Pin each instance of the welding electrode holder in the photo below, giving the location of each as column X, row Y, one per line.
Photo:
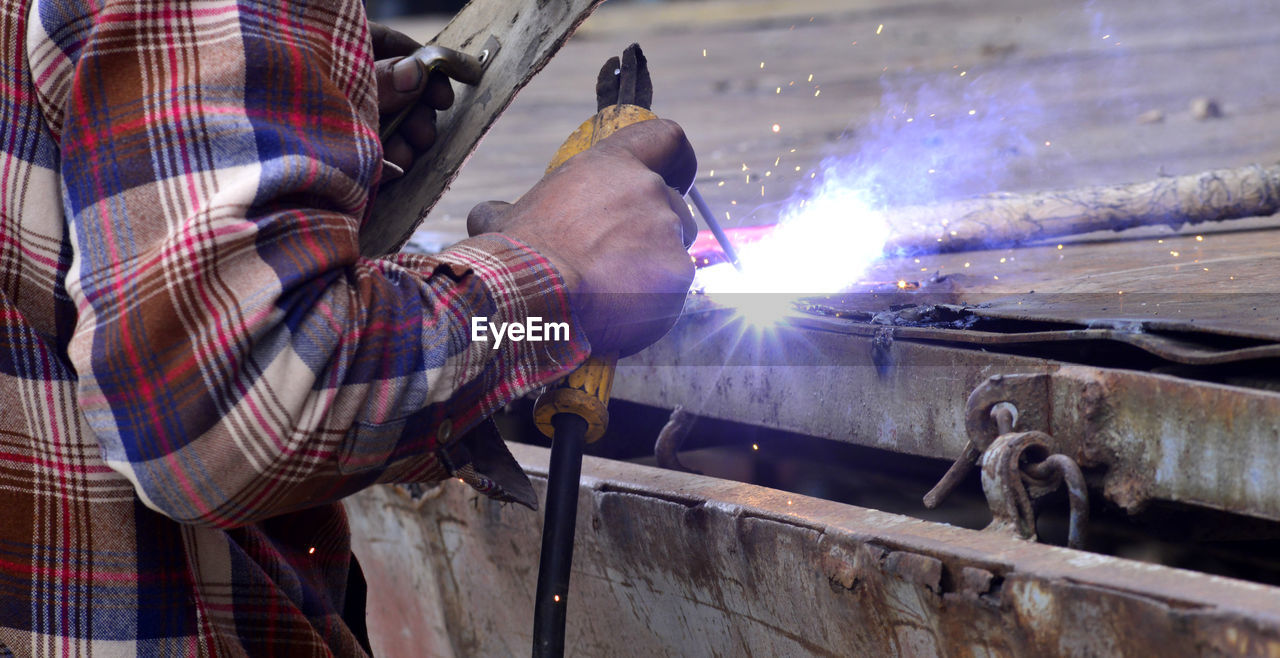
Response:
column 575, row 410
column 583, row 393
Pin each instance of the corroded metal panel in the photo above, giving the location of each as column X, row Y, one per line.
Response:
column 905, row 397
column 1145, row 435
column 670, row 563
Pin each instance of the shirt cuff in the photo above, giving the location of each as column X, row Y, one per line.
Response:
column 529, row 296
column 526, row 291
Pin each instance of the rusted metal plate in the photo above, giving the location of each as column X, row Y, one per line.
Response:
column 670, row 563
column 1217, row 281
column 980, row 324
column 1144, row 435
column 903, row 397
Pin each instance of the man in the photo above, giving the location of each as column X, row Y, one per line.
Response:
column 198, row 365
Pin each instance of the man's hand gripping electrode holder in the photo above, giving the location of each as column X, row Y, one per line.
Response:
column 575, row 410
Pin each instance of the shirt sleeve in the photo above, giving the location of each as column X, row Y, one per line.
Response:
column 237, row 357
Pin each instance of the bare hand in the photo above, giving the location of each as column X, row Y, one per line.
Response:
column 402, row 83
column 614, row 223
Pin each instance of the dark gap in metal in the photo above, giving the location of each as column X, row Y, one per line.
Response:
column 1183, row 536
column 964, row 318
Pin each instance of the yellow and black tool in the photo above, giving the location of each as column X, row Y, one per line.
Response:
column 575, row 411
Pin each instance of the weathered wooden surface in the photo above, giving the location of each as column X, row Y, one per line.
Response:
column 1084, row 72
column 673, row 564
column 1082, row 92
column 529, row 34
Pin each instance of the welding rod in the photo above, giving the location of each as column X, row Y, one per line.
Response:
column 701, row 204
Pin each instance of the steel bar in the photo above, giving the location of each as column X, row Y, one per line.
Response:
column 714, row 224
column 1077, row 492
column 1012, row 219
column 666, row 449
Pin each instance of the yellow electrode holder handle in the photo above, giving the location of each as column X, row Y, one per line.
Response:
column 585, row 391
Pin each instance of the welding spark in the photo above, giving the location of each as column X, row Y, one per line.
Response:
column 822, row 244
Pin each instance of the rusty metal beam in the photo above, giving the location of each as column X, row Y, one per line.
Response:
column 1147, row 436
column 671, row 563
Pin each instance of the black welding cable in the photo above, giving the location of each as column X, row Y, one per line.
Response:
column 551, row 600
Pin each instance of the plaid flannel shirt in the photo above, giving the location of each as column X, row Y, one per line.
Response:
column 196, row 364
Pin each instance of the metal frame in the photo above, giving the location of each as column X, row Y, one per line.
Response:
column 672, row 563
column 1142, row 435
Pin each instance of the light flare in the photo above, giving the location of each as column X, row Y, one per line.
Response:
column 823, row 244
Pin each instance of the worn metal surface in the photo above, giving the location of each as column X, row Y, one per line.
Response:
column 1016, row 470
column 1143, row 435
column 923, row 320
column 676, row 564
column 906, row 397
column 1212, row 283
